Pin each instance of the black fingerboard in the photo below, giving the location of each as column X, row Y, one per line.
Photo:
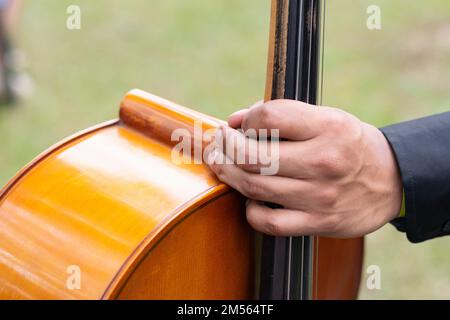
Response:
column 286, row 262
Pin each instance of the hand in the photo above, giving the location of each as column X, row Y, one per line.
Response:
column 337, row 175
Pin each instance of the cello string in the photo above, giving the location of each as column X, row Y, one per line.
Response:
column 288, row 288
column 299, row 43
column 308, row 88
column 315, row 13
column 306, row 254
column 298, row 66
column 321, row 25
column 290, row 238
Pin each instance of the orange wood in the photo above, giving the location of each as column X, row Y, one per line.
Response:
column 208, row 255
column 338, row 264
column 110, row 201
column 98, row 201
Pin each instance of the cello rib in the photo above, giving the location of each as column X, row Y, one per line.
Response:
column 109, row 207
column 112, row 204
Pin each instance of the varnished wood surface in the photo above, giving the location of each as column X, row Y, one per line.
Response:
column 276, row 60
column 337, row 263
column 209, row 255
column 99, row 201
column 110, row 201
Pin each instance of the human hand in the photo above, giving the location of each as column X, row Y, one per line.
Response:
column 337, row 175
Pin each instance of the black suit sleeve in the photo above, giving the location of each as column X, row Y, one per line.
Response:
column 422, row 149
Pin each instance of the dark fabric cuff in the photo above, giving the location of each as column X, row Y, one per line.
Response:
column 422, row 150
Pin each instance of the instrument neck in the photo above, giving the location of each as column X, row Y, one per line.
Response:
column 294, row 72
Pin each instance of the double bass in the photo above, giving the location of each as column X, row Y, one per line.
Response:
column 108, row 214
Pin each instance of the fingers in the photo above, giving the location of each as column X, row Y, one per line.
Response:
column 295, row 120
column 275, row 189
column 282, row 222
column 235, row 119
column 283, row 158
column 249, row 154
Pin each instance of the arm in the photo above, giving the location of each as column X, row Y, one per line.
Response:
column 338, row 176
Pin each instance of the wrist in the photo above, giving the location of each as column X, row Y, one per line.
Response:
column 394, row 180
column 387, row 162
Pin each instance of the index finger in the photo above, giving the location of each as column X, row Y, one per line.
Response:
column 295, row 120
column 235, row 119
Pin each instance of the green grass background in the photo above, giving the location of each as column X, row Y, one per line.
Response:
column 211, row 55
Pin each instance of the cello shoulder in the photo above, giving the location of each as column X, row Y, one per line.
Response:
column 108, row 214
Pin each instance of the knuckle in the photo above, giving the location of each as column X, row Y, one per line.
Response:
column 330, row 224
column 253, row 188
column 267, row 116
column 336, row 121
column 329, row 196
column 244, row 124
column 251, row 216
column 273, row 226
column 250, row 167
column 249, row 188
column 220, row 172
column 332, row 162
column 249, row 157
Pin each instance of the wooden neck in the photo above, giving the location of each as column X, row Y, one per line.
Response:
column 295, row 53
column 293, row 72
column 276, row 62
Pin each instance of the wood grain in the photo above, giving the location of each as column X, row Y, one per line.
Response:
column 276, row 62
column 110, row 201
column 103, row 198
column 336, row 263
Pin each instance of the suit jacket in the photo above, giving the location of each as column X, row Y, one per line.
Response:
column 422, row 149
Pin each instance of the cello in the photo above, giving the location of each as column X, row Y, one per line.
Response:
column 108, row 214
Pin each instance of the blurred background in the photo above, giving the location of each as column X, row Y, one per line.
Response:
column 211, row 56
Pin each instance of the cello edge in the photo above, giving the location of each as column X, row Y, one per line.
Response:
column 49, row 151
column 157, row 234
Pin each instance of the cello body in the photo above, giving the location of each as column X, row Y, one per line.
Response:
column 107, row 214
